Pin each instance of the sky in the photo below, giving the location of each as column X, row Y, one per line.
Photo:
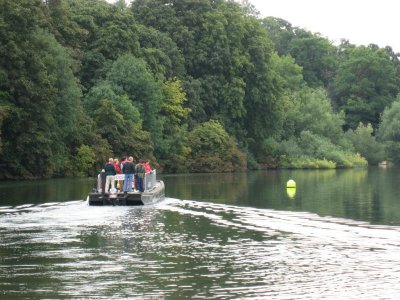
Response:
column 362, row 22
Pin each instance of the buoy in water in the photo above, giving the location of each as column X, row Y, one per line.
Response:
column 291, row 192
column 291, row 183
column 291, row 188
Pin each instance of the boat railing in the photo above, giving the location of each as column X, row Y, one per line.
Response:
column 150, row 180
column 99, row 182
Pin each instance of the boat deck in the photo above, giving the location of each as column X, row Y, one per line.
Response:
column 157, row 193
column 130, row 199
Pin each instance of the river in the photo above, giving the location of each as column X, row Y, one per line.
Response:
column 216, row 236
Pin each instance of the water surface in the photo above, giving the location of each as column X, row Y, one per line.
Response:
column 216, row 236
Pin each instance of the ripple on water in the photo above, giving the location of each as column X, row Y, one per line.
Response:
column 193, row 249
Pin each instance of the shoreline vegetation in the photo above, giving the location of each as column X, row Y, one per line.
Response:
column 192, row 86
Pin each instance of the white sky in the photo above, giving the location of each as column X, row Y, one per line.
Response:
column 362, row 22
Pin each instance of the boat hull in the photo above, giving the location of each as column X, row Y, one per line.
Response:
column 148, row 197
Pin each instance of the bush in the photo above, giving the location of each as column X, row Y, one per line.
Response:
column 84, row 161
column 389, row 131
column 213, row 150
column 305, row 162
column 365, row 143
column 314, row 151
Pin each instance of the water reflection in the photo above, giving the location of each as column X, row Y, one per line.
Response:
column 191, row 249
column 367, row 194
column 231, row 236
column 52, row 190
column 362, row 194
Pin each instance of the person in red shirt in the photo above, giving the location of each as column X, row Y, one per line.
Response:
column 117, row 166
column 147, row 167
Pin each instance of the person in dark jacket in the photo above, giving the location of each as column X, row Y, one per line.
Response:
column 128, row 169
column 110, row 172
column 140, row 172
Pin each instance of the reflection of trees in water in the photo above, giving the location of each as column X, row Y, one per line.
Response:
column 41, row 191
column 335, row 192
column 359, row 194
column 381, row 203
column 367, row 194
column 329, row 192
column 340, row 193
column 221, row 187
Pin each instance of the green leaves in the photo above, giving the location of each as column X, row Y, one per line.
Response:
column 366, row 82
column 172, row 106
column 317, row 56
column 213, row 150
column 365, row 143
column 389, row 131
column 192, row 84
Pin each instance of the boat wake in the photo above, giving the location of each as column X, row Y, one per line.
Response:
column 303, row 255
column 191, row 249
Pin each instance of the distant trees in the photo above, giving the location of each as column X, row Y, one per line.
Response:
column 365, row 143
column 366, row 82
column 213, row 150
column 389, row 131
column 315, row 54
column 40, row 93
column 109, row 32
column 199, row 86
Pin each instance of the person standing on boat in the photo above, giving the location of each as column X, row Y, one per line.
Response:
column 128, row 169
column 147, row 167
column 140, row 171
column 110, row 172
column 118, row 183
column 123, row 160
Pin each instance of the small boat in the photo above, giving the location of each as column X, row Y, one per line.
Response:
column 153, row 193
column 383, row 164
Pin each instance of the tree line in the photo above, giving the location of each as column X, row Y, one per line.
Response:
column 193, row 86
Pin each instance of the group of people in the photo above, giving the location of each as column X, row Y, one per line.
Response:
column 134, row 174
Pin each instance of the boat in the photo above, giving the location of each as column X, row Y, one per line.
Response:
column 154, row 192
column 383, row 164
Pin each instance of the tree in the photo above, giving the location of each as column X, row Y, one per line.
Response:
column 161, row 54
column 263, row 100
column 365, row 143
column 84, row 160
column 281, row 33
column 290, row 73
column 366, row 82
column 67, row 31
column 213, row 150
column 227, row 56
column 389, row 131
column 130, row 75
column 174, row 150
column 124, row 137
column 40, row 92
column 172, row 106
column 3, row 114
column 315, row 54
column 194, row 84
column 315, row 113
column 121, row 102
column 111, row 32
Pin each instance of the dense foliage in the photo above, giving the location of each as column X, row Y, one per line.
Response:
column 194, row 86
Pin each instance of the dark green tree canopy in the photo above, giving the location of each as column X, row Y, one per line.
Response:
column 366, row 82
column 195, row 86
